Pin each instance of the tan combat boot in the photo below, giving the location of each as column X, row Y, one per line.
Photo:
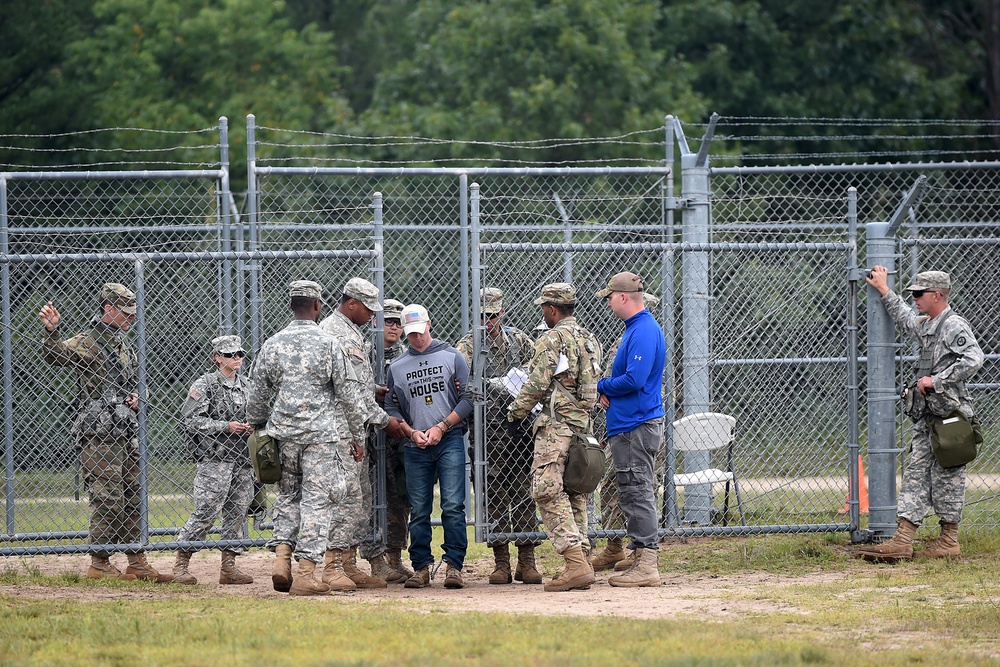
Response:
column 526, row 571
column 501, row 571
column 900, row 547
column 421, row 578
column 138, row 566
column 230, row 574
column 395, row 560
column 281, row 571
column 945, row 546
column 626, row 563
column 101, row 568
column 181, row 574
column 360, row 579
column 304, row 583
column 333, row 572
column 577, row 574
column 382, row 570
column 612, row 554
column 644, row 573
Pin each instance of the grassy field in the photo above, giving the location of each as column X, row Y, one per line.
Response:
column 778, row 600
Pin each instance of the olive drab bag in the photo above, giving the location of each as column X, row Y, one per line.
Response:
column 954, row 439
column 585, row 464
column 264, row 456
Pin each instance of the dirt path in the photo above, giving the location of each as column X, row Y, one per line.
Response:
column 688, row 594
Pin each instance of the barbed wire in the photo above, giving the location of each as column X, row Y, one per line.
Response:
column 54, row 135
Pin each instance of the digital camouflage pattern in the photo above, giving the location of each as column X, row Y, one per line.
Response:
column 223, row 482
column 509, row 507
column 308, row 376
column 358, row 349
column 212, row 402
column 953, row 355
column 223, row 488
column 104, row 429
column 563, row 413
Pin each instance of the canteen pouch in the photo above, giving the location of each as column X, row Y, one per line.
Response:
column 585, row 464
column 264, row 456
column 954, row 439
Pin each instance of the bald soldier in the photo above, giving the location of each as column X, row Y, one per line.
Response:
column 106, row 426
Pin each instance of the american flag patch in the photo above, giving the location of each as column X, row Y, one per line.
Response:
column 195, row 394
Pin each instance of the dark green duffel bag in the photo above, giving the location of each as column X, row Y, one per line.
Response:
column 954, row 439
column 264, row 456
column 584, row 465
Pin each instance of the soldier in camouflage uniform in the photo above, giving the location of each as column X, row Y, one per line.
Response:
column 352, row 526
column 567, row 400
column 214, row 417
column 105, row 428
column 949, row 355
column 301, row 385
column 508, row 460
column 614, row 555
column 386, row 560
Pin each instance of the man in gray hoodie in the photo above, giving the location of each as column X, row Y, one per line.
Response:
column 428, row 391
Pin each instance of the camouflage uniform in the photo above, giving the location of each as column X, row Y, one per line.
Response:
column 314, row 388
column 397, row 505
column 104, row 430
column 352, row 525
column 509, row 507
column 224, row 481
column 953, row 356
column 565, row 515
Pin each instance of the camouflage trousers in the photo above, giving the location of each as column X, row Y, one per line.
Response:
column 565, row 515
column 220, row 487
column 111, row 477
column 312, row 490
column 346, row 522
column 927, row 485
column 509, row 505
column 397, row 505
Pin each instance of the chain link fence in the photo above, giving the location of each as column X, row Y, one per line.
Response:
column 763, row 315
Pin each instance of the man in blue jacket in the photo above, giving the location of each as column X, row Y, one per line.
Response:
column 632, row 396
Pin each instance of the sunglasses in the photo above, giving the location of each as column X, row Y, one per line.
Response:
column 231, row 355
column 393, row 323
column 917, row 293
column 489, row 316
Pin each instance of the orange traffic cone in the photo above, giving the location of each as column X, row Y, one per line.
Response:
column 862, row 492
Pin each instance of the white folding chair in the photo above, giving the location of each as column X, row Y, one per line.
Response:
column 707, row 432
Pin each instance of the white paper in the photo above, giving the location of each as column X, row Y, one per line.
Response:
column 562, row 365
column 515, row 379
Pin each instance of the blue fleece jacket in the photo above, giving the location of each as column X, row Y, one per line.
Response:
column 635, row 388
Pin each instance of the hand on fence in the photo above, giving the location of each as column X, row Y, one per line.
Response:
column 49, row 316
column 357, row 452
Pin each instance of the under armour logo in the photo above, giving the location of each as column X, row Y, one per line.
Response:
column 638, row 357
column 424, row 363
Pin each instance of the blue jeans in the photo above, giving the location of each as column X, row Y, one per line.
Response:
column 444, row 462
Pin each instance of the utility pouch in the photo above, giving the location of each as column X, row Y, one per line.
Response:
column 585, row 464
column 914, row 405
column 264, row 456
column 954, row 439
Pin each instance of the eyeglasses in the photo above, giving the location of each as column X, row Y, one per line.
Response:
column 917, row 293
column 231, row 355
column 393, row 323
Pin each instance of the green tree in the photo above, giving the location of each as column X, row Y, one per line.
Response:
column 180, row 65
column 526, row 70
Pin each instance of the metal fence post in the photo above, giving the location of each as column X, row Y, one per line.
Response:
column 882, row 391
column 8, row 377
column 695, row 297
column 478, row 431
column 252, row 226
